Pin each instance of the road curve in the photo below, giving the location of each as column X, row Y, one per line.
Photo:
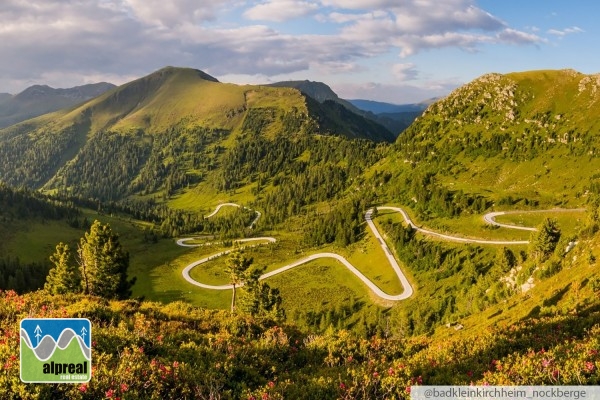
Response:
column 449, row 237
column 216, row 210
column 408, row 290
column 490, row 218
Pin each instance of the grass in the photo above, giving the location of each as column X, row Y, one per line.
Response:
column 369, row 258
column 204, row 198
column 471, row 226
column 568, row 221
column 317, row 286
column 564, row 293
column 34, row 241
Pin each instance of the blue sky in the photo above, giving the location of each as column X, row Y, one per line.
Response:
column 397, row 51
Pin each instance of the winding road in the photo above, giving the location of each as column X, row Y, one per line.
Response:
column 490, row 218
column 407, row 288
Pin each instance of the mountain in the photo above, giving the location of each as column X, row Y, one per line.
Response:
column 527, row 135
column 41, row 99
column 317, row 90
column 378, row 107
column 47, row 346
column 323, row 94
column 483, row 314
column 396, row 117
column 129, row 129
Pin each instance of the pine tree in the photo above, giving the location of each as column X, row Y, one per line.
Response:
column 237, row 265
column 64, row 277
column 505, row 259
column 543, row 242
column 259, row 299
column 103, row 263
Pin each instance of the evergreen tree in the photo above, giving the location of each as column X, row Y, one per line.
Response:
column 259, row 299
column 237, row 265
column 505, row 259
column 103, row 263
column 64, row 277
column 544, row 240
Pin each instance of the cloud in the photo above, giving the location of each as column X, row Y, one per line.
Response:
column 170, row 13
column 342, row 18
column 564, row 32
column 405, row 72
column 393, row 93
column 75, row 39
column 418, row 25
column 280, row 10
column 512, row 36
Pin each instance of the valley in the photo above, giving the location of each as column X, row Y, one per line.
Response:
column 480, row 223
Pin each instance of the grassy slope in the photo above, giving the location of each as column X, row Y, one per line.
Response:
column 555, row 105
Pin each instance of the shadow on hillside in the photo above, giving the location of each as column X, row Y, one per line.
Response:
column 552, row 301
column 530, row 334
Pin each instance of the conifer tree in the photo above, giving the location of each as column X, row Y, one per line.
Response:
column 505, row 259
column 259, row 299
column 543, row 242
column 64, row 277
column 103, row 263
column 237, row 265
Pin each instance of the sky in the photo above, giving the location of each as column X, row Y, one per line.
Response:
column 398, row 51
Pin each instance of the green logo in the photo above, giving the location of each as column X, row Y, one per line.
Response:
column 56, row 350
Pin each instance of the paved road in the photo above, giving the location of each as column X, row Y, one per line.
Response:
column 449, row 237
column 408, row 290
column 490, row 218
column 216, row 210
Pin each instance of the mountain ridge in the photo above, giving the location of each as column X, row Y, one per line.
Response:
column 37, row 100
column 185, row 104
column 322, row 93
column 47, row 346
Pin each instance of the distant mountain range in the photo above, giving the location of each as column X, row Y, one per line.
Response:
column 378, row 107
column 41, row 99
column 395, row 118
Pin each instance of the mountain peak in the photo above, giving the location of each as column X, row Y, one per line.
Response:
column 317, row 90
column 172, row 71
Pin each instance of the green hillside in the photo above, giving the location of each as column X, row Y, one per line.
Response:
column 529, row 135
column 488, row 304
column 168, row 129
column 336, row 112
column 185, row 352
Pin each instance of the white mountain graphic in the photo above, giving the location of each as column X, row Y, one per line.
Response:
column 47, row 346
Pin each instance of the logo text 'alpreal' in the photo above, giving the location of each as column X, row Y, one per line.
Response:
column 56, row 350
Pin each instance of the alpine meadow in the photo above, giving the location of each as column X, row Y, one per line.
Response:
column 276, row 241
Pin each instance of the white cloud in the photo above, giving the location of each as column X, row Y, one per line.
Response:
column 360, row 4
column 405, row 72
column 342, row 18
column 512, row 36
column 564, row 32
column 418, row 25
column 72, row 39
column 172, row 12
column 280, row 10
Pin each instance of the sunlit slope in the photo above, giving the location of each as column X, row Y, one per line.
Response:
column 531, row 135
column 186, row 112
